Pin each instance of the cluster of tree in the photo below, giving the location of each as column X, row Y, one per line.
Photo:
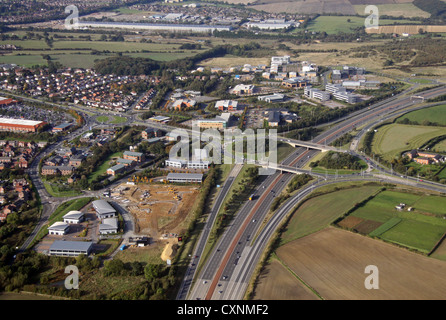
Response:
column 416, row 123
column 123, row 65
column 305, row 134
column 436, row 8
column 335, row 160
column 100, row 153
column 23, row 269
column 346, row 138
column 298, row 181
column 278, row 201
column 437, row 99
column 190, row 46
column 240, row 192
column 158, row 278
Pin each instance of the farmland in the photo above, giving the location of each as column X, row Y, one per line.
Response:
column 440, row 147
column 332, row 262
column 407, row 10
column 434, row 114
column 81, row 53
column 282, row 286
column 313, row 214
column 419, row 229
column 346, row 24
column 393, row 139
column 306, row 7
column 410, row 29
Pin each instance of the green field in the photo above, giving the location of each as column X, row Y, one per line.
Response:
column 436, row 114
column 78, row 53
column 103, row 119
column 283, row 150
column 112, row 120
column 103, row 167
column 57, row 190
column 419, row 229
column 337, row 24
column 118, row 120
column 393, row 139
column 317, row 213
column 440, row 147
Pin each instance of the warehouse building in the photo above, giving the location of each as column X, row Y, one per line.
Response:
column 103, row 209
column 185, row 177
column 74, row 217
column 70, row 248
column 61, row 127
column 19, row 125
column 6, row 101
column 58, row 228
column 276, row 97
column 109, row 225
column 219, row 122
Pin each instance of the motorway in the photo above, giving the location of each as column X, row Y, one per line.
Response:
column 204, row 237
column 228, row 268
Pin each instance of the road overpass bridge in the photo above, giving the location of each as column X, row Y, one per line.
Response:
column 285, row 168
column 310, row 145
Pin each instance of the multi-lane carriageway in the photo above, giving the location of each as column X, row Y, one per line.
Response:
column 220, row 272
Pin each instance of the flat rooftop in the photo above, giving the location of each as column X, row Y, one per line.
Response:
column 71, row 245
column 20, row 122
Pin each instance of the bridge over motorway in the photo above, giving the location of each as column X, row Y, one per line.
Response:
column 285, row 168
column 310, row 145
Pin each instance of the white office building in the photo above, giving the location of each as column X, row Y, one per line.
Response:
column 70, row 248
column 58, row 228
column 74, row 217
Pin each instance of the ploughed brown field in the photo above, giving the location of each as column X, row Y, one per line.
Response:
column 333, row 261
column 277, row 283
column 410, row 29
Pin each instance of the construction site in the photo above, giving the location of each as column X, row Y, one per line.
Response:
column 159, row 211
